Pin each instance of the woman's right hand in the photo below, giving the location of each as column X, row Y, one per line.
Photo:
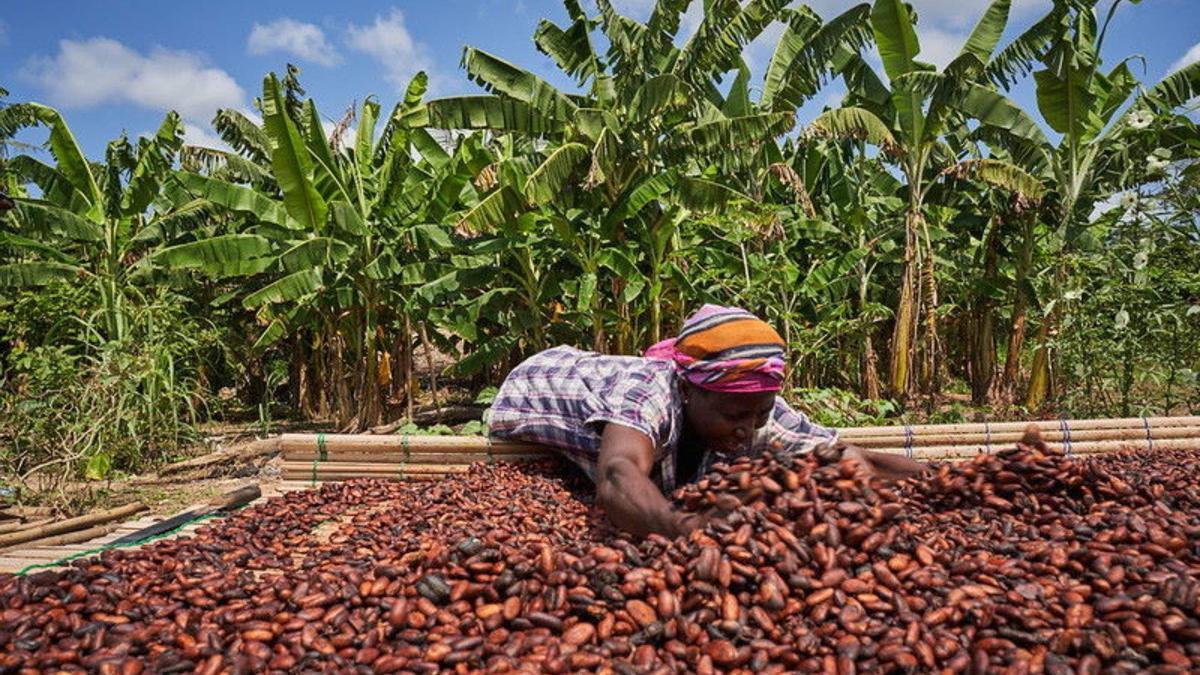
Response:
column 685, row 523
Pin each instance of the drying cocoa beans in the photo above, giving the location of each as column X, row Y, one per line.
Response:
column 1011, row 563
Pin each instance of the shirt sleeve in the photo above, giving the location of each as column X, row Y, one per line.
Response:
column 638, row 402
column 791, row 430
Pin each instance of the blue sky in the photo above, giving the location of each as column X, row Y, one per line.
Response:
column 118, row 66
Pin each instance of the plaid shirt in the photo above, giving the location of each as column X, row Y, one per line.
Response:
column 563, row 396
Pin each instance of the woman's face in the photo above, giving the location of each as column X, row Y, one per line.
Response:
column 722, row 421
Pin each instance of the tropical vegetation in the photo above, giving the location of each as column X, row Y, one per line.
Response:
column 924, row 245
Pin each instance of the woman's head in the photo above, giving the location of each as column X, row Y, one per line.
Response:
column 725, row 421
column 731, row 364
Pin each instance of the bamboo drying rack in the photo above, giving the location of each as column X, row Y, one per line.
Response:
column 331, row 457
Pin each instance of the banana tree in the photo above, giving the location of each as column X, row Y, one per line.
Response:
column 643, row 147
column 1108, row 126
column 327, row 251
column 909, row 122
column 93, row 222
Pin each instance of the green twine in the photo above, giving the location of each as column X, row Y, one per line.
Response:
column 109, row 547
column 322, row 456
column 488, row 439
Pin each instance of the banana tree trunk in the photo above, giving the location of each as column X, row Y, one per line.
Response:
column 1039, row 374
column 369, row 409
column 870, row 369
column 342, row 400
column 1020, row 316
column 300, row 381
column 410, row 388
column 983, row 349
column 599, row 339
column 904, row 328
column 868, row 358
column 931, row 379
column 398, row 389
column 1041, row 385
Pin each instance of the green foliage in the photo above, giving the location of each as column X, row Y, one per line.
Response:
column 841, row 408
column 74, row 408
column 904, row 242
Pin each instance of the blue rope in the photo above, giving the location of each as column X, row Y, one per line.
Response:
column 987, row 427
column 908, row 441
column 1149, row 436
column 1065, row 427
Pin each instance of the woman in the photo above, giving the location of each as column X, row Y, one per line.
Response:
column 641, row 426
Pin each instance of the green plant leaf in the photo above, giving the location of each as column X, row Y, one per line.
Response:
column 995, row 110
column 154, row 163
column 855, row 123
column 482, row 112
column 501, row 77
column 1000, row 174
column 895, row 36
column 287, row 289
column 220, row 256
column 30, row 274
column 548, row 181
column 806, row 53
column 494, row 210
column 236, row 198
column 41, row 217
column 243, row 135
column 314, row 252
column 699, row 194
column 988, row 31
column 290, row 161
column 70, row 158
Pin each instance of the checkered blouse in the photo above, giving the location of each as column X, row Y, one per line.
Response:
column 563, row 396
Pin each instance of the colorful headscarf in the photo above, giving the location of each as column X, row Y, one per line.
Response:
column 725, row 349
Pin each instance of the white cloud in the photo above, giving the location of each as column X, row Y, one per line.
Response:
column 1192, row 56
column 634, row 9
column 389, row 42
column 101, row 70
column 302, row 40
column 960, row 14
column 199, row 135
column 938, row 46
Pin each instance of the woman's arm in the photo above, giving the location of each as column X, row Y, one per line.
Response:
column 793, row 428
column 624, row 489
column 884, row 465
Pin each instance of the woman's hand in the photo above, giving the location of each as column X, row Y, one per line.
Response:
column 884, row 465
column 686, row 522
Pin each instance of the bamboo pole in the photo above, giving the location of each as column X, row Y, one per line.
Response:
column 71, row 537
column 1083, row 448
column 400, row 443
column 301, row 467
column 25, row 525
column 1044, row 425
column 1009, row 437
column 70, row 524
column 307, row 478
column 340, row 457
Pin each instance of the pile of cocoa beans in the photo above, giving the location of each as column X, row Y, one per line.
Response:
column 1015, row 562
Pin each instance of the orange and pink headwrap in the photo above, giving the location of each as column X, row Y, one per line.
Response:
column 726, row 349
